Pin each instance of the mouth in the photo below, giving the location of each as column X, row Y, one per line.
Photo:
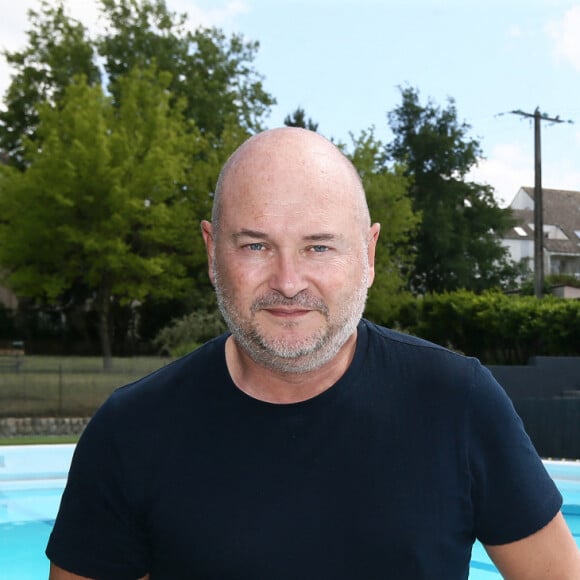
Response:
column 288, row 313
column 289, row 309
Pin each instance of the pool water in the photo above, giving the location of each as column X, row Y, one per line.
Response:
column 32, row 480
column 22, row 552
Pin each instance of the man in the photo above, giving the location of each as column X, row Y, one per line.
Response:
column 309, row 443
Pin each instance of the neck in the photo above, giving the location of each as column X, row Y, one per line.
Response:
column 277, row 387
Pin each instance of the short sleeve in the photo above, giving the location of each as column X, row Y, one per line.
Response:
column 512, row 493
column 99, row 531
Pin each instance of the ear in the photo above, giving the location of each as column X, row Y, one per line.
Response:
column 371, row 248
column 207, row 233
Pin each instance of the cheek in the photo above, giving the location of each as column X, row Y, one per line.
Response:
column 342, row 275
column 238, row 282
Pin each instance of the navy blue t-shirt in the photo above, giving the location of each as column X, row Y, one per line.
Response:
column 393, row 472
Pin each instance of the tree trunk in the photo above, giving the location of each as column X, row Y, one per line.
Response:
column 104, row 310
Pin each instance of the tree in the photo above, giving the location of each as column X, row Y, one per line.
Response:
column 390, row 205
column 109, row 198
column 58, row 50
column 213, row 74
column 298, row 119
column 458, row 243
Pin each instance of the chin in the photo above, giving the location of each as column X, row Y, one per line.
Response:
column 294, row 339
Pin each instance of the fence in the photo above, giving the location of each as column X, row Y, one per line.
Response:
column 546, row 394
column 65, row 387
column 553, row 425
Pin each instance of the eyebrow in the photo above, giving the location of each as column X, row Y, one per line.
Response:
column 322, row 238
column 258, row 235
column 244, row 233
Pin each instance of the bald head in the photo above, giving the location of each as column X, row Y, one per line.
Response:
column 295, row 155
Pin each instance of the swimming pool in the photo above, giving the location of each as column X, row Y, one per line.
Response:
column 32, row 479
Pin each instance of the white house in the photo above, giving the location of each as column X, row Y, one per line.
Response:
column 561, row 218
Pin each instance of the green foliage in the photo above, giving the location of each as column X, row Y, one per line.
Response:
column 458, row 243
column 526, row 287
column 211, row 73
column 187, row 333
column 298, row 119
column 389, row 205
column 58, row 50
column 110, row 199
column 497, row 328
column 562, row 279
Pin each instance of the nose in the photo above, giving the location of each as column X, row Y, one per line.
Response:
column 288, row 276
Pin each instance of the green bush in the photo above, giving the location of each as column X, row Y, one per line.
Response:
column 495, row 327
column 186, row 334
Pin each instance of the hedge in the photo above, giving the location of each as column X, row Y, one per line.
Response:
column 495, row 327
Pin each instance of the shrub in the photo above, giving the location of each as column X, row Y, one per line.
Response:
column 495, row 327
column 186, row 334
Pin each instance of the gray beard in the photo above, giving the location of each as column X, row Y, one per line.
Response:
column 294, row 357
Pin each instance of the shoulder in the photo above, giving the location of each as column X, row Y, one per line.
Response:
column 139, row 420
column 429, row 373
column 393, row 339
column 416, row 355
column 157, row 402
column 188, row 374
column 397, row 339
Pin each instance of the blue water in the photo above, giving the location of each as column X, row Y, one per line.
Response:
column 32, row 479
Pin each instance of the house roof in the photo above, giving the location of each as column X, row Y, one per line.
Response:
column 561, row 209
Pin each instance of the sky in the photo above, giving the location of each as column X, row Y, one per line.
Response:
column 345, row 61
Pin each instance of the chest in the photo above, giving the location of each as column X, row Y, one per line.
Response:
column 308, row 496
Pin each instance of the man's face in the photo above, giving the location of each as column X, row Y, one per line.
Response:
column 291, row 262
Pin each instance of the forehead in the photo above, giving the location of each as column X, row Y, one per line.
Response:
column 309, row 184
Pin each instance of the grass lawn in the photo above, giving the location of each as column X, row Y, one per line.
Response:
column 38, row 440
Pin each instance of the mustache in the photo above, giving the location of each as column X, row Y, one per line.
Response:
column 303, row 299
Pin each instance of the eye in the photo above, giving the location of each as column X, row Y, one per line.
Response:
column 319, row 249
column 255, row 246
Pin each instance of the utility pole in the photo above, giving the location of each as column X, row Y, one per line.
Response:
column 538, row 201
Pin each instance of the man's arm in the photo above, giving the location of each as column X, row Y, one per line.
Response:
column 549, row 554
column 57, row 573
